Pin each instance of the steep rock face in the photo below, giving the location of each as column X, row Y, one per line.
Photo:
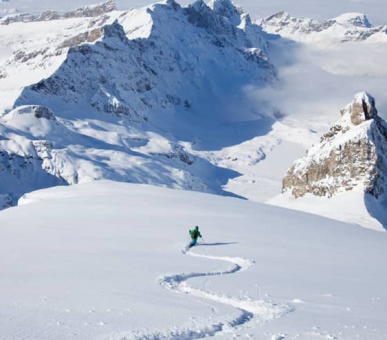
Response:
column 225, row 19
column 227, row 9
column 134, row 78
column 353, row 152
column 346, row 27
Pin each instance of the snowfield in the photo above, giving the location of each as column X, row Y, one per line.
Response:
column 197, row 98
column 200, row 98
column 107, row 260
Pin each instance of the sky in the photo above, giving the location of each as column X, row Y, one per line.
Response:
column 374, row 9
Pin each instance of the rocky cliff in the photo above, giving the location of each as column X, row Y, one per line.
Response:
column 352, row 153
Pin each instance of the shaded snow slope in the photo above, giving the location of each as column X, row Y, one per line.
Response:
column 133, row 94
column 44, row 150
column 86, row 262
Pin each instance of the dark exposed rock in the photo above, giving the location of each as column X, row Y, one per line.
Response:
column 85, row 37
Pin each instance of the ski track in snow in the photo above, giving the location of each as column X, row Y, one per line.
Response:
column 257, row 311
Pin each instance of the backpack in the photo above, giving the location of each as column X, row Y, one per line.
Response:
column 195, row 234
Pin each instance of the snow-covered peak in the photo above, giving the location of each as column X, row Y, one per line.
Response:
column 198, row 5
column 90, row 11
column 346, row 27
column 350, row 160
column 362, row 108
column 227, row 9
column 353, row 19
column 284, row 24
column 279, row 17
column 93, row 10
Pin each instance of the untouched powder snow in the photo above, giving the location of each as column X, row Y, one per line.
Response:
column 107, row 260
column 346, row 207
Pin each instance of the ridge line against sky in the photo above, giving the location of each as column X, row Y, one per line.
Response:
column 320, row 10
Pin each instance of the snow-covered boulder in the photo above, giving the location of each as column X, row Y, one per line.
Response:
column 352, row 153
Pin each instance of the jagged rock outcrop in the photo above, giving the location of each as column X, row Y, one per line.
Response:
column 36, row 110
column 227, row 9
column 353, row 152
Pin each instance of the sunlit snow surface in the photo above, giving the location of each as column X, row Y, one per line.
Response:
column 317, row 76
column 107, row 261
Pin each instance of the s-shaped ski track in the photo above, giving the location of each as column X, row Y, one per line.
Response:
column 252, row 311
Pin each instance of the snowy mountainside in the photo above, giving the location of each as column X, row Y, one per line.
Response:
column 350, row 159
column 41, row 151
column 114, row 269
column 133, row 92
column 157, row 67
column 166, row 95
column 346, row 27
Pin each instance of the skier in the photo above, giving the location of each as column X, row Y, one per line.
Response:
column 195, row 233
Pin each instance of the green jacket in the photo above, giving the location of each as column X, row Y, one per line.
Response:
column 195, row 234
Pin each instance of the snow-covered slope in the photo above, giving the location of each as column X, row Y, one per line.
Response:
column 184, row 97
column 113, row 269
column 133, row 93
column 350, row 159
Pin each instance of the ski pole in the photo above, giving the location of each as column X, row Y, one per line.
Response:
column 203, row 240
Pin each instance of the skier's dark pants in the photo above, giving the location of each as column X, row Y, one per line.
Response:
column 193, row 242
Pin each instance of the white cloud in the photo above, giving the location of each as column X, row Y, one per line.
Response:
column 316, row 81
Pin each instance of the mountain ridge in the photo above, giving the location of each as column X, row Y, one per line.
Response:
column 122, row 102
column 344, row 28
